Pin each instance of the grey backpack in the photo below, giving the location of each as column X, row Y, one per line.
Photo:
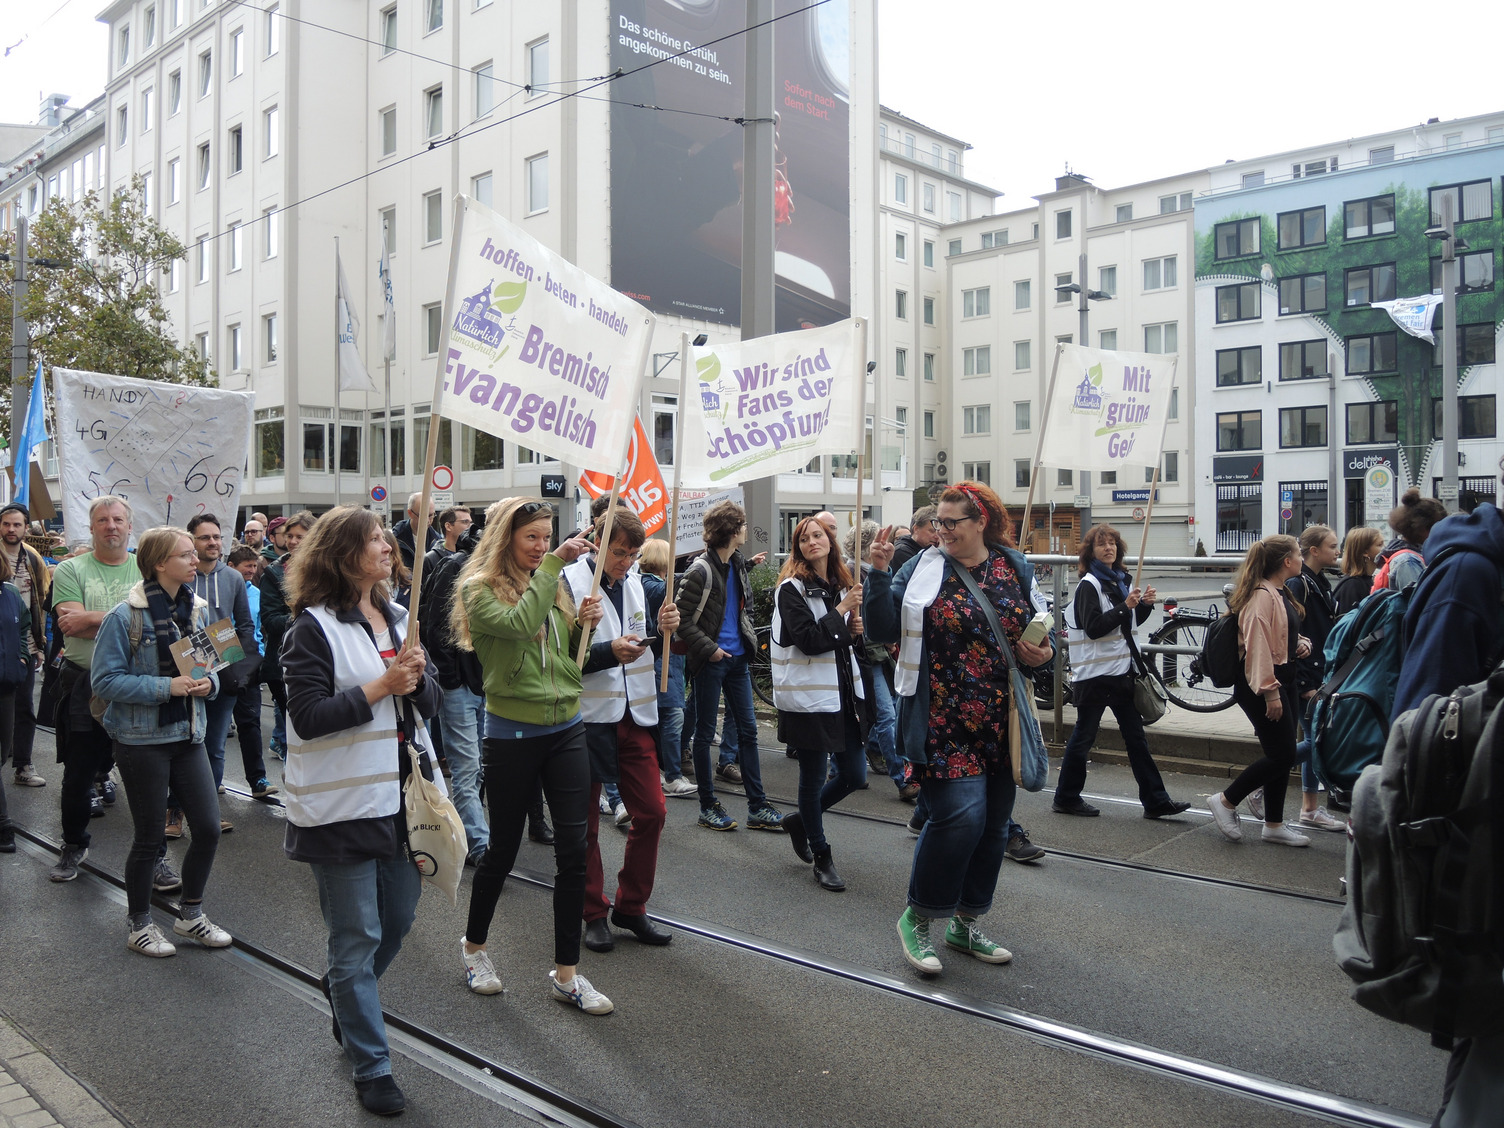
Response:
column 1421, row 935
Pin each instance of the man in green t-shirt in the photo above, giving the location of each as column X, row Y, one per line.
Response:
column 84, row 589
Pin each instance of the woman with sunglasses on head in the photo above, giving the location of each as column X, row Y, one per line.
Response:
column 817, row 686
column 953, row 686
column 513, row 610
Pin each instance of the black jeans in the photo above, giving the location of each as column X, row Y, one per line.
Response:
column 1277, row 739
column 1092, row 698
column 18, row 723
column 247, row 714
column 147, row 770
column 561, row 762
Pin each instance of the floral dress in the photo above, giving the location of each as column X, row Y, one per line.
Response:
column 968, row 732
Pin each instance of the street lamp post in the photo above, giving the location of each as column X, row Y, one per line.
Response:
column 1450, row 245
column 1083, row 309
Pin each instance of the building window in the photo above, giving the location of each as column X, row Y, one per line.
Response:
column 1475, row 417
column 1475, row 273
column 1174, row 412
column 481, row 450
column 900, row 188
column 1022, row 351
column 1108, row 477
column 203, row 259
column 1238, row 303
column 1064, row 479
column 435, row 16
column 1469, row 201
column 480, row 188
column 1368, row 284
column 1303, row 293
column 1107, row 279
column 386, row 219
column 1163, row 338
column 1475, row 345
column 976, row 303
column 388, row 30
column 149, row 27
column 953, row 248
column 900, row 362
column 124, row 45
column 976, row 420
column 1107, row 339
column 1373, row 422
column 929, row 424
column 954, row 199
column 236, row 157
column 1303, row 360
column 1238, row 238
column 1021, row 471
column 1169, row 471
column 900, row 247
column 1063, row 224
column 433, row 111
column 665, row 426
column 901, row 304
column 1302, row 427
column 1373, row 216
column 977, row 361
column 271, row 435
column 201, row 345
column 233, row 351
column 271, row 124
column 901, row 417
column 929, row 311
column 1240, row 430
column 1382, row 155
column 1180, row 202
column 1124, row 213
column 378, row 442
column 237, row 247
column 205, row 73
column 1240, row 517
column 433, row 217
column 174, row 271
column 269, row 339
column 537, row 66
column 929, row 253
column 174, row 92
column 122, row 130
column 927, row 195
column 204, row 168
column 273, row 39
column 237, row 52
column 485, row 89
column 148, row 99
column 1253, row 179
column 1062, row 295
column 388, row 131
column 1304, row 228
column 977, row 472
column 929, row 368
column 1021, row 415
column 270, row 222
column 1160, row 273
column 1313, row 168
column 316, row 446
column 537, row 184
column 994, row 238
column 1370, row 354
column 1022, row 294
column 433, row 328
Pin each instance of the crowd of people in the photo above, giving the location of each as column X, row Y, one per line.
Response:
column 890, row 653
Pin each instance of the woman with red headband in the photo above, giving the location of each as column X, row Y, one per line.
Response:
column 952, row 685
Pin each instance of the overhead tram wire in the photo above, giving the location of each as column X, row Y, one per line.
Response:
column 463, row 134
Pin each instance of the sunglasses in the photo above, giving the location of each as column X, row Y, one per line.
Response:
column 531, row 509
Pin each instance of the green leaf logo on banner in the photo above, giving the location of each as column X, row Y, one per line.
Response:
column 509, row 296
column 1095, row 372
column 708, row 369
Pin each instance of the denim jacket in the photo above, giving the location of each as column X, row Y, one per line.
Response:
column 129, row 680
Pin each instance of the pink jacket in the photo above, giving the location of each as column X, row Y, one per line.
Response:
column 1264, row 636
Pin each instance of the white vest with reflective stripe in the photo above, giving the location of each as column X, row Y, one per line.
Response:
column 1097, row 657
column 806, row 683
column 353, row 773
column 606, row 694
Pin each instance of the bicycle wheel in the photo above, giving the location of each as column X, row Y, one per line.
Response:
column 760, row 666
column 1181, row 674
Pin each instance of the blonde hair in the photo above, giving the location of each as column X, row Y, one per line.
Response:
column 1359, row 549
column 493, row 565
column 1264, row 558
column 156, row 546
column 656, row 557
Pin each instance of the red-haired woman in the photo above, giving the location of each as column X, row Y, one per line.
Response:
column 952, row 686
column 817, row 687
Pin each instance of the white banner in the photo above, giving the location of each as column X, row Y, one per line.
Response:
column 769, row 405
column 171, row 450
column 353, row 376
column 539, row 351
column 1413, row 315
column 388, row 309
column 1108, row 409
column 689, row 536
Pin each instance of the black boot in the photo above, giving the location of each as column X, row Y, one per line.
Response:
column 537, row 825
column 797, row 838
column 825, row 872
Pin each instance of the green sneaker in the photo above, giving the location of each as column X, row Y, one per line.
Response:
column 963, row 935
column 918, row 947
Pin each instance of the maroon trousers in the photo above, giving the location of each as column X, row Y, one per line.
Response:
column 642, row 794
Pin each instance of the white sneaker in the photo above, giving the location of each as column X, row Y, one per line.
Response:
column 1282, row 835
column 579, row 993
column 1256, row 804
column 680, row 787
column 479, row 973
column 1226, row 820
column 204, row 930
column 1319, row 819
column 619, row 812
column 605, row 804
column 149, row 941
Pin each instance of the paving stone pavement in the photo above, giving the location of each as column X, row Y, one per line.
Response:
column 35, row 1092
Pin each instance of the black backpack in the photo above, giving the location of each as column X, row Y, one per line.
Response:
column 1421, row 935
column 1219, row 651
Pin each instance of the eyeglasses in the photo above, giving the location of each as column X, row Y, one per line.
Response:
column 618, row 554
column 186, row 556
column 949, row 523
column 210, row 537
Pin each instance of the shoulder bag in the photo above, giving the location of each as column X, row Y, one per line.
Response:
column 435, row 833
column 1149, row 696
column 1031, row 762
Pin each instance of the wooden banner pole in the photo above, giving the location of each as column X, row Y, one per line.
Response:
column 673, row 520
column 600, row 565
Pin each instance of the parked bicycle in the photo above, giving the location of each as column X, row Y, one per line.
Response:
column 760, row 665
column 1185, row 682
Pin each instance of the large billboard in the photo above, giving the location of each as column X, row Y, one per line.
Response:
column 676, row 162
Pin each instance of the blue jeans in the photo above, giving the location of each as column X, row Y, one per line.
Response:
column 671, row 742
column 818, row 794
column 728, row 751
column 960, row 849
column 732, row 676
column 368, row 908
column 462, row 748
column 221, row 711
column 279, row 730
column 883, row 736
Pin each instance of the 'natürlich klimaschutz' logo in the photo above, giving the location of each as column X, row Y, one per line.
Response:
column 479, row 319
column 1088, row 398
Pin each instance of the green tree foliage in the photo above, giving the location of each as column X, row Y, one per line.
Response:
column 100, row 309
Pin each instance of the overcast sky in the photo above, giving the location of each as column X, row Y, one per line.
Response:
column 1123, row 92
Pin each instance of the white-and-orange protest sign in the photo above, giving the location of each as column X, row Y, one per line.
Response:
column 642, row 483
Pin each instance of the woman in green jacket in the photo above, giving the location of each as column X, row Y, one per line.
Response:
column 511, row 609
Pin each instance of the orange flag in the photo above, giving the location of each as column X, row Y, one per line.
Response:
column 642, row 484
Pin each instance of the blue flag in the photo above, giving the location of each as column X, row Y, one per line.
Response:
column 33, row 434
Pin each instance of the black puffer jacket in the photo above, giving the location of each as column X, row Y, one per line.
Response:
column 700, row 632
column 1313, row 592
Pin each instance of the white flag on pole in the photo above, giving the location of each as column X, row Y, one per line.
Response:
column 353, row 376
column 1413, row 315
column 1108, row 409
column 769, row 405
column 388, row 308
column 537, row 350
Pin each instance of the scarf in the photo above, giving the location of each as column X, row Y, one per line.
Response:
column 1111, row 578
column 171, row 619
